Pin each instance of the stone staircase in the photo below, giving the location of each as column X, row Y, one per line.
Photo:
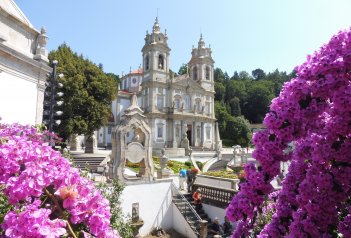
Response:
column 88, row 162
column 182, row 202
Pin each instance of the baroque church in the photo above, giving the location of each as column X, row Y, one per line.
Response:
column 176, row 108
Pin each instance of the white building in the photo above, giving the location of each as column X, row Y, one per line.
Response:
column 23, row 67
column 175, row 106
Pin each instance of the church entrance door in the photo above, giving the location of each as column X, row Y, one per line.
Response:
column 189, row 133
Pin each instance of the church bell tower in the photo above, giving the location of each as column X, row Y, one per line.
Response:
column 155, row 55
column 201, row 65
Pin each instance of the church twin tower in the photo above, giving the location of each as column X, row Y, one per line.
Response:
column 156, row 54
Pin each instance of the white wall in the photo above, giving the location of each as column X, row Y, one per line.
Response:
column 18, row 100
column 124, row 104
column 213, row 212
column 151, row 206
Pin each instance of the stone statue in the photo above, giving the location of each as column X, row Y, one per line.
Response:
column 138, row 136
column 41, row 53
column 163, row 159
column 164, row 173
column 185, row 144
column 42, row 38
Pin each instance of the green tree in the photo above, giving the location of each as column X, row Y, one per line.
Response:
column 235, row 88
column 219, row 91
column 257, row 103
column 245, row 76
column 235, row 76
column 88, row 93
column 234, row 105
column 238, row 130
column 258, row 74
column 222, row 116
column 219, row 76
column 183, row 69
column 115, row 77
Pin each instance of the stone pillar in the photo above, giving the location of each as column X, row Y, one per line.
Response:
column 174, row 140
column 202, row 133
column 90, row 144
column 203, row 229
column 193, row 136
column 74, row 143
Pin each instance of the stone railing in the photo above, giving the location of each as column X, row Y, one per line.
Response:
column 227, row 183
column 215, row 196
column 198, row 225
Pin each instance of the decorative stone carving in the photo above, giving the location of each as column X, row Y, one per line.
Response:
column 138, row 150
column 41, row 52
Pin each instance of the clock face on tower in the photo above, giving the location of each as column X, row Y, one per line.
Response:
column 134, row 80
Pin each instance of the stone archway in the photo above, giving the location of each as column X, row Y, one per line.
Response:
column 131, row 141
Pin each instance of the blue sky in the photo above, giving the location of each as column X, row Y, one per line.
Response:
column 244, row 35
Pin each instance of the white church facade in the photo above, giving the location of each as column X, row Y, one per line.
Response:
column 176, row 107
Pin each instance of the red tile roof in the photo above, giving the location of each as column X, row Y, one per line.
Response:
column 137, row 71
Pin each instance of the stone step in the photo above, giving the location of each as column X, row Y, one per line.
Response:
column 91, row 163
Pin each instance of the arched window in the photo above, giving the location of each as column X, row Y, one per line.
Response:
column 147, row 62
column 195, row 73
column 207, row 73
column 161, row 61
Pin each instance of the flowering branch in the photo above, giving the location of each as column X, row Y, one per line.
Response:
column 312, row 115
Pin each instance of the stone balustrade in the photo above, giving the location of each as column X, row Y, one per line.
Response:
column 215, row 196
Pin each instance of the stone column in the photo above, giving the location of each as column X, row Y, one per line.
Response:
column 203, row 229
column 174, row 140
column 74, row 143
column 194, row 140
column 90, row 144
column 202, row 133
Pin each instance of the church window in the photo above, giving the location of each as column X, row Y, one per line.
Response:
column 208, row 133
column 161, row 61
column 160, row 131
column 147, row 62
column 160, row 101
column 208, row 73
column 195, row 73
column 197, row 105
